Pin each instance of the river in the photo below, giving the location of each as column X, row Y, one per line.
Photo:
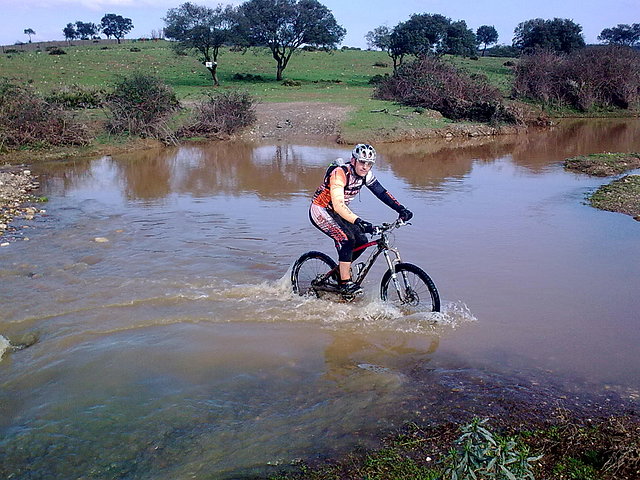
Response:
column 169, row 344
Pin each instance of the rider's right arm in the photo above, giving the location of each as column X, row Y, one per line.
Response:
column 337, row 182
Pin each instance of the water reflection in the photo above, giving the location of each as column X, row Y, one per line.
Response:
column 427, row 164
column 278, row 171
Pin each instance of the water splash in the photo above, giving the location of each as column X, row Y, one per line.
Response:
column 275, row 301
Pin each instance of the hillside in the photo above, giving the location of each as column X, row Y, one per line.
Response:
column 341, row 77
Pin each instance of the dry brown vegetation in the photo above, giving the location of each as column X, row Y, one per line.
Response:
column 221, row 115
column 589, row 78
column 26, row 119
column 430, row 82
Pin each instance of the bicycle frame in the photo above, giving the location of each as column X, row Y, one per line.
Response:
column 383, row 247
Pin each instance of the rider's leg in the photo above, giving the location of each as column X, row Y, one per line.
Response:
column 345, row 271
column 345, row 235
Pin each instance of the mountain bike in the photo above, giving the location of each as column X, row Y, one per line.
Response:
column 403, row 284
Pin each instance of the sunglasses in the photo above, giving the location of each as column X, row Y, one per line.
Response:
column 365, row 163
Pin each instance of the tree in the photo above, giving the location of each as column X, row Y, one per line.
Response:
column 458, row 40
column 29, row 31
column 116, row 26
column 486, row 34
column 285, row 25
column 399, row 44
column 424, row 33
column 86, row 30
column 69, row 32
column 379, row 38
column 559, row 35
column 388, row 41
column 203, row 29
column 622, row 34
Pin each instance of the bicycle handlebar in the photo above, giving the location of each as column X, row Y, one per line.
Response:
column 385, row 227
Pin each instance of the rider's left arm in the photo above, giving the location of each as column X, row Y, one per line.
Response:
column 385, row 196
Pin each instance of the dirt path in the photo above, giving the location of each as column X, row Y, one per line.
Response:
column 297, row 119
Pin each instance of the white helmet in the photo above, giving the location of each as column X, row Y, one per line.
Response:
column 364, row 152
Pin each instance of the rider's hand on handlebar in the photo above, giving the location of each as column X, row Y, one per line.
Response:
column 365, row 226
column 405, row 214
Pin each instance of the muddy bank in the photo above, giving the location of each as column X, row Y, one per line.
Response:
column 621, row 195
column 452, row 131
column 319, row 119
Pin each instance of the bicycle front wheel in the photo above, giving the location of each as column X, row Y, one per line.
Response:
column 412, row 288
column 309, row 269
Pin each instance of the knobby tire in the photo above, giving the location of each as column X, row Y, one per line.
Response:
column 418, row 290
column 311, row 266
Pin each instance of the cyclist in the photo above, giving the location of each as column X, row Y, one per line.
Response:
column 330, row 212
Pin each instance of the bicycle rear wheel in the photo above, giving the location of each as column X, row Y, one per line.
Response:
column 415, row 288
column 310, row 268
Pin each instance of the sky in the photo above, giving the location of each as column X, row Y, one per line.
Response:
column 48, row 17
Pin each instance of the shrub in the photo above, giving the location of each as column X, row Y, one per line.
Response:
column 594, row 77
column 376, row 79
column 221, row 115
column 249, row 77
column 27, row 120
column 432, row 83
column 479, row 453
column 537, row 77
column 502, row 51
column 142, row 105
column 76, row 96
column 57, row 51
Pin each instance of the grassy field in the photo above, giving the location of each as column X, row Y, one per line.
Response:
column 339, row 77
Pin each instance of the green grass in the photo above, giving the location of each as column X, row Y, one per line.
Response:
column 340, row 77
column 603, row 164
column 622, row 195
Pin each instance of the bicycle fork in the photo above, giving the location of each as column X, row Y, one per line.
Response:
column 401, row 290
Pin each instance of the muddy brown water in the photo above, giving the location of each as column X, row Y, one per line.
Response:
column 175, row 349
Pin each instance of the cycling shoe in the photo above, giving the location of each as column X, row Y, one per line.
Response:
column 350, row 288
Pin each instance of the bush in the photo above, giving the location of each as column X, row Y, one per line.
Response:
column 502, row 51
column 221, row 115
column 432, row 83
column 142, row 105
column 57, row 51
column 377, row 79
column 249, row 77
column 589, row 78
column 27, row 120
column 479, row 453
column 76, row 96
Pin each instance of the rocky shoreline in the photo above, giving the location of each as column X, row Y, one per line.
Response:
column 16, row 186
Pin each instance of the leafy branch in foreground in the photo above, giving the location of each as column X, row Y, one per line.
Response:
column 481, row 454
